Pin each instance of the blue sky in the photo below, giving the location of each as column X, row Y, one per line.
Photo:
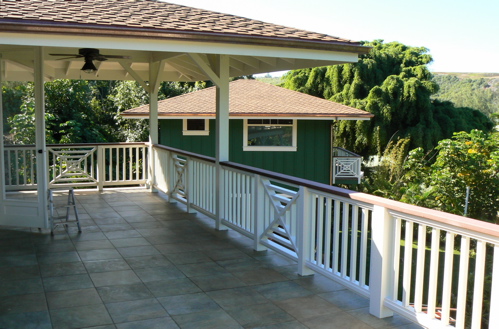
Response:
column 461, row 35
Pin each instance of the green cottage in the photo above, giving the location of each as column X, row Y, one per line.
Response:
column 270, row 127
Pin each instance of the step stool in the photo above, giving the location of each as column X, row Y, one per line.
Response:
column 63, row 220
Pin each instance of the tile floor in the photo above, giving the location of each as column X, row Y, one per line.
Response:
column 142, row 262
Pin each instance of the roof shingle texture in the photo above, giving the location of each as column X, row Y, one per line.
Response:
column 250, row 98
column 148, row 14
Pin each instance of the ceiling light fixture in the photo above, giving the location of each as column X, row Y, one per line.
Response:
column 89, row 66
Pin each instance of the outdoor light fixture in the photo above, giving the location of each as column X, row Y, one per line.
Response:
column 89, row 66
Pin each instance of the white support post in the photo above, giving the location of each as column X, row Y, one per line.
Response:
column 381, row 274
column 305, row 222
column 101, row 167
column 41, row 147
column 222, row 134
column 155, row 69
column 258, row 210
column 218, row 71
column 153, row 137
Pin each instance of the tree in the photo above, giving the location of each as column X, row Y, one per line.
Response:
column 468, row 160
column 439, row 179
column 129, row 94
column 70, row 116
column 12, row 95
column 79, row 111
column 393, row 82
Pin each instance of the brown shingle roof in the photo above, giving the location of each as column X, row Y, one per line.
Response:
column 252, row 98
column 147, row 15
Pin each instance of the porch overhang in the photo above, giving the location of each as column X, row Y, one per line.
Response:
column 172, row 33
column 244, row 59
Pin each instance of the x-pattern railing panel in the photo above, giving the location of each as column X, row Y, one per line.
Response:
column 281, row 229
column 73, row 165
column 180, row 166
column 346, row 167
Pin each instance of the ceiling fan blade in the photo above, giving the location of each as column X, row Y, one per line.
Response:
column 61, row 59
column 99, row 58
column 117, row 56
column 69, row 56
column 64, row 55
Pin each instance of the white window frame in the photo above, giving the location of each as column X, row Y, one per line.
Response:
column 205, row 132
column 291, row 148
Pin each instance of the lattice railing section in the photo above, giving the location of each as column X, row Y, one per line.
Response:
column 281, row 219
column 75, row 165
column 346, row 165
column 179, row 190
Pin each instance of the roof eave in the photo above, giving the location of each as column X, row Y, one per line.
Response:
column 17, row 26
column 337, row 116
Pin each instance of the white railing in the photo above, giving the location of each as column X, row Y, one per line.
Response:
column 346, row 165
column 434, row 268
column 78, row 165
column 20, row 167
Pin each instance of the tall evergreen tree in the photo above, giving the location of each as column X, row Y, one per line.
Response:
column 393, row 82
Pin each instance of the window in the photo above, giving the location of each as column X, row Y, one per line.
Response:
column 196, row 127
column 269, row 135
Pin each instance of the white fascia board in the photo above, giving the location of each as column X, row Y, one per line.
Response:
column 146, row 44
column 299, row 118
column 254, row 117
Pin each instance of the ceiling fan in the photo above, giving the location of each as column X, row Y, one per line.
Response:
column 89, row 55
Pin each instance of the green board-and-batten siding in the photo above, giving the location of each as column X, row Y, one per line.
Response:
column 310, row 161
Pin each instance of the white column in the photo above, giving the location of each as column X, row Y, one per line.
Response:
column 153, row 136
column 222, row 116
column 382, row 238
column 41, row 148
column 155, row 69
column 218, row 71
column 222, row 134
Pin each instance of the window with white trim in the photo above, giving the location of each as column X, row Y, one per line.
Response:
column 195, row 127
column 269, row 135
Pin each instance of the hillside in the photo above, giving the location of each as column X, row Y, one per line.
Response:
column 470, row 75
column 479, row 91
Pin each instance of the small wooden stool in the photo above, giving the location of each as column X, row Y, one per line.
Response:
column 64, row 219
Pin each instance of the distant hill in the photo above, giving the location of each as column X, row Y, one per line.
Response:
column 271, row 80
column 470, row 75
column 479, row 91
